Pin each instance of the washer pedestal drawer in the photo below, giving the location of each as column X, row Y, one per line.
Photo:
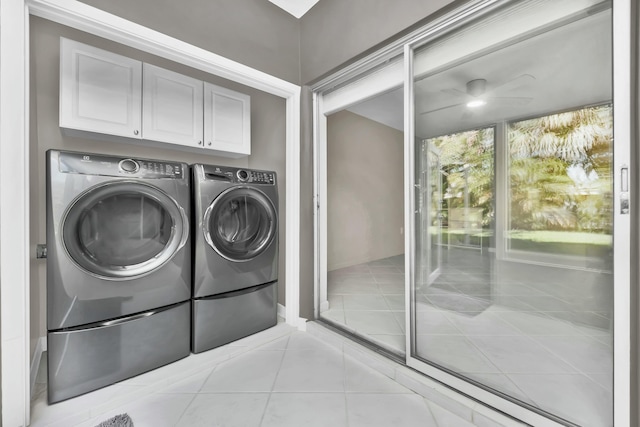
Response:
column 81, row 360
column 220, row 319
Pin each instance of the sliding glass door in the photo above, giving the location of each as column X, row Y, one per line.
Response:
column 518, row 105
column 505, row 268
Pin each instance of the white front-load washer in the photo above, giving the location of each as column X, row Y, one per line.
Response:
column 118, row 268
column 235, row 241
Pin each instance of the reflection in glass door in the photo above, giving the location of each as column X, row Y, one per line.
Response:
column 429, row 203
column 517, row 106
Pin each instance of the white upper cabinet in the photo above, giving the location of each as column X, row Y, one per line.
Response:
column 227, row 121
column 111, row 97
column 172, row 107
column 99, row 90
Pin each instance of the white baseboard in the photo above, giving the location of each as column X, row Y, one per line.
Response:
column 282, row 312
column 300, row 322
column 41, row 347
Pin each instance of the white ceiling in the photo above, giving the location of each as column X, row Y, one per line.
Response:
column 563, row 68
column 296, row 8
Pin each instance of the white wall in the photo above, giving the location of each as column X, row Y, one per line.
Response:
column 332, row 33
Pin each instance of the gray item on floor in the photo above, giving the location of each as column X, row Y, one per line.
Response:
column 122, row 420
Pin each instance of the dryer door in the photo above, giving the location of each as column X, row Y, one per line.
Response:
column 124, row 229
column 240, row 223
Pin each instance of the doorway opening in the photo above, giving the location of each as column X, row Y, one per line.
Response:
column 365, row 228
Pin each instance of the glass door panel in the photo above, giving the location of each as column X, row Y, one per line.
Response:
column 428, row 199
column 512, row 282
column 560, row 182
column 365, row 280
column 432, row 182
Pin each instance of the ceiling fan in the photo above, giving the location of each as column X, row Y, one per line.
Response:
column 478, row 93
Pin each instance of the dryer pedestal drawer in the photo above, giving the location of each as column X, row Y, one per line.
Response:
column 82, row 360
column 220, row 319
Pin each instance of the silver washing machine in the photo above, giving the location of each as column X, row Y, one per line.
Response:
column 118, row 269
column 235, row 241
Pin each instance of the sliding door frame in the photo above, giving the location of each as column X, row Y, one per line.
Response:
column 368, row 77
column 623, row 132
column 373, row 75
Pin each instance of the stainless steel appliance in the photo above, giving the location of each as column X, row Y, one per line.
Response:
column 235, row 254
column 118, row 269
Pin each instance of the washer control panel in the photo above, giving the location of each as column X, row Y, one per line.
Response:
column 249, row 176
column 95, row 164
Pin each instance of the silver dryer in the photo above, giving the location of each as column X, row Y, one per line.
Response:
column 118, row 269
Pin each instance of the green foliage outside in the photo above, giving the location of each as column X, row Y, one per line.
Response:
column 560, row 177
column 467, row 159
column 560, row 172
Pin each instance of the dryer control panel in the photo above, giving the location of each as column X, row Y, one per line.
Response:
column 256, row 177
column 92, row 164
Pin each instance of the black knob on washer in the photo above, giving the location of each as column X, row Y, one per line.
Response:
column 242, row 175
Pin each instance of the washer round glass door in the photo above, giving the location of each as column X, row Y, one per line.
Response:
column 121, row 230
column 240, row 223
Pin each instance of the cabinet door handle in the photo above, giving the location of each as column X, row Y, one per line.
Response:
column 209, row 143
column 135, row 132
column 199, row 142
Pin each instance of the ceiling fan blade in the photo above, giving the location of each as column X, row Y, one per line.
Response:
column 441, row 108
column 456, row 92
column 510, row 100
column 517, row 82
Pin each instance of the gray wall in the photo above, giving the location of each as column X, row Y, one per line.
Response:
column 365, row 190
column 267, row 141
column 335, row 31
column 256, row 33
column 307, row 208
column 261, row 35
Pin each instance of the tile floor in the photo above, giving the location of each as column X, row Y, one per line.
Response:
column 510, row 335
column 280, row 377
column 368, row 299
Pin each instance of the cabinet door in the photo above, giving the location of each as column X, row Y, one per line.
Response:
column 172, row 108
column 227, row 121
column 99, row 90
